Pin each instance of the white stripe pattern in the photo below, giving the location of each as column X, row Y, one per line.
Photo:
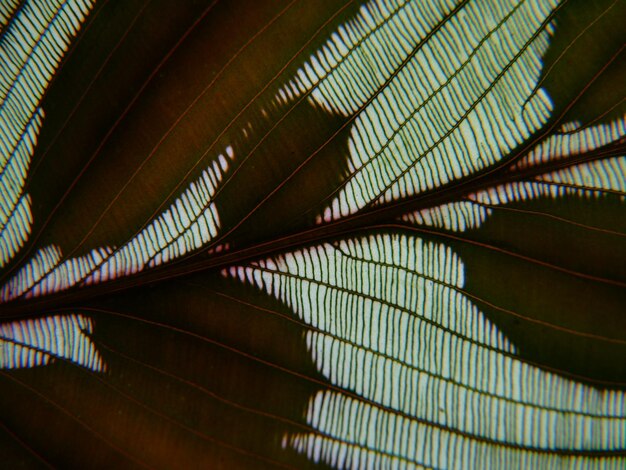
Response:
column 38, row 342
column 188, row 224
column 433, row 103
column 373, row 433
column 439, row 384
column 454, row 216
column 572, row 142
column 591, row 179
column 31, row 49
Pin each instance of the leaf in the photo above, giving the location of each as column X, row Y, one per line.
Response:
column 313, row 234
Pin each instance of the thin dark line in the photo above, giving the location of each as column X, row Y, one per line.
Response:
column 582, row 187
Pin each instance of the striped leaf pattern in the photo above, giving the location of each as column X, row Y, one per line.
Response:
column 572, row 141
column 594, row 179
column 454, row 216
column 38, row 342
column 591, row 179
column 31, row 48
column 188, row 224
column 428, row 379
column 394, row 350
column 588, row 180
column 446, row 91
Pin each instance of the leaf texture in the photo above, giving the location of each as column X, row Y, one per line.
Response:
column 391, row 324
column 190, row 223
column 383, row 234
column 594, row 179
column 36, row 342
column 31, row 49
column 432, row 117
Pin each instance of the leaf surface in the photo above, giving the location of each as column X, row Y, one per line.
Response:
column 313, row 234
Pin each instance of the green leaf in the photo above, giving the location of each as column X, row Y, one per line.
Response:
column 252, row 234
